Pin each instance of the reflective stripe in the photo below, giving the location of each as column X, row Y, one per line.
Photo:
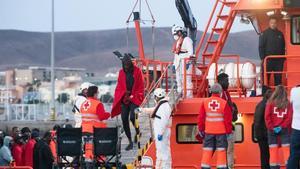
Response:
column 214, row 114
column 205, row 165
column 214, row 119
column 208, row 148
column 221, row 166
column 273, row 145
column 285, row 145
column 274, row 164
column 220, row 148
column 89, row 120
column 89, row 115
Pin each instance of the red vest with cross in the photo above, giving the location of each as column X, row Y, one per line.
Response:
column 214, row 108
column 89, row 116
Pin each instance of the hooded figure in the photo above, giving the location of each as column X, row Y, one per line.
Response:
column 42, row 155
column 5, row 153
column 129, row 94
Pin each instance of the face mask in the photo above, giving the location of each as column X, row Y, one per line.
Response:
column 176, row 37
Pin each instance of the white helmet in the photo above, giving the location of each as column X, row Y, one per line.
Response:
column 160, row 93
column 85, row 85
column 177, row 28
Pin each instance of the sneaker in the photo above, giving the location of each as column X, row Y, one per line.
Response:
column 129, row 147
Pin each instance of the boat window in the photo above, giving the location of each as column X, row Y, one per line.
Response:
column 295, row 30
column 292, row 3
column 186, row 133
column 239, row 133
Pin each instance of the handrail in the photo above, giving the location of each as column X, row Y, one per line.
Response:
column 265, row 72
column 205, row 31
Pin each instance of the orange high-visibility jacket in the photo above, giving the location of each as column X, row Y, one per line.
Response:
column 93, row 114
column 215, row 116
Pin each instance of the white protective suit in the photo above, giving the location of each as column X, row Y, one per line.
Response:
column 187, row 51
column 162, row 123
column 79, row 100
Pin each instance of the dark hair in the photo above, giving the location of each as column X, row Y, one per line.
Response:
column 35, row 133
column 127, row 61
column 14, row 128
column 25, row 130
column 279, row 97
column 268, row 94
column 92, row 90
column 47, row 134
column 222, row 76
column 56, row 127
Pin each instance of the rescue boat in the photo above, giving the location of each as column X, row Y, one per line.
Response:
column 186, row 150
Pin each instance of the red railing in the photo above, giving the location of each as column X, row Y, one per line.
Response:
column 291, row 72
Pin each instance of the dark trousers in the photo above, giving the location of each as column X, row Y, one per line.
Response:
column 264, row 153
column 128, row 113
column 275, row 65
column 294, row 158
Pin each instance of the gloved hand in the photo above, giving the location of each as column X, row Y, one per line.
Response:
column 201, row 134
column 229, row 136
column 188, row 66
column 277, row 130
column 138, row 110
column 159, row 137
column 173, row 69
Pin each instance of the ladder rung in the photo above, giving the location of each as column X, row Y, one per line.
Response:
column 229, row 4
column 207, row 54
column 223, row 17
column 213, row 42
column 217, row 30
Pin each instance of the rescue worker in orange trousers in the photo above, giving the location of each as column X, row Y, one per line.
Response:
column 214, row 125
column 278, row 117
column 93, row 114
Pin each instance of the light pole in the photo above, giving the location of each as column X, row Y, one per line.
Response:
column 52, row 65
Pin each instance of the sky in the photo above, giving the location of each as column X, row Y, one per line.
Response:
column 84, row 15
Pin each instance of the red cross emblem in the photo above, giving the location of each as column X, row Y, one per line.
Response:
column 214, row 105
column 280, row 113
column 86, row 105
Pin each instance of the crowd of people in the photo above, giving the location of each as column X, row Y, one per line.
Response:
column 26, row 147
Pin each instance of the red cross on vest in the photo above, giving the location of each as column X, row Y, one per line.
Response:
column 86, row 105
column 279, row 112
column 214, row 105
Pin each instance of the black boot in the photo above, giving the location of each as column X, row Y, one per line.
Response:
column 130, row 146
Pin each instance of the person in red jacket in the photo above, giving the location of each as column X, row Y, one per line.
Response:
column 278, row 117
column 214, row 124
column 129, row 94
column 28, row 148
column 17, row 150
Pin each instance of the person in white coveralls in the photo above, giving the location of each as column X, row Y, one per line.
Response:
column 161, row 115
column 182, row 48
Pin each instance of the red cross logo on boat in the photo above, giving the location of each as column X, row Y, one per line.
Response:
column 86, row 105
column 279, row 112
column 214, row 105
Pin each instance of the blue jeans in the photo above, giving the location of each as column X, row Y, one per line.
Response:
column 294, row 159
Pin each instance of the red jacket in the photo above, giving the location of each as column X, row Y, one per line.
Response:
column 137, row 90
column 28, row 153
column 17, row 153
column 275, row 117
column 211, row 111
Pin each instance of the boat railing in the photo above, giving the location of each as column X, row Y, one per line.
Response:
column 199, row 73
column 290, row 74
